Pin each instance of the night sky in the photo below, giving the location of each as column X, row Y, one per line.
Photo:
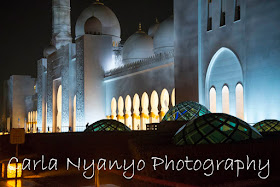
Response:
column 26, row 27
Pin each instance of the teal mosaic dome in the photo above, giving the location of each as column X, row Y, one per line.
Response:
column 268, row 126
column 185, row 111
column 215, row 128
column 107, row 125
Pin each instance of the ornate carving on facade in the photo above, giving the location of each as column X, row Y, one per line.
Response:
column 80, row 120
column 39, row 86
column 65, row 91
column 50, row 95
column 152, row 60
column 118, row 56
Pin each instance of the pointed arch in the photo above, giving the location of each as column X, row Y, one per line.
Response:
column 136, row 113
column 145, row 111
column 224, row 69
column 173, row 98
column 114, row 108
column 154, row 117
column 120, row 110
column 128, row 117
column 164, row 101
column 239, row 93
column 225, row 99
column 74, row 113
column 213, row 100
column 59, row 109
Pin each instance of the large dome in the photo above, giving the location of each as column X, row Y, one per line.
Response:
column 215, row 128
column 185, row 111
column 268, row 126
column 107, row 125
column 164, row 36
column 153, row 29
column 137, row 47
column 108, row 19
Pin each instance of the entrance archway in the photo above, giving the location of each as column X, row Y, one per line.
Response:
column 224, row 69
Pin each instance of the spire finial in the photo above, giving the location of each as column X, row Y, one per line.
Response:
column 157, row 20
column 140, row 27
column 98, row 2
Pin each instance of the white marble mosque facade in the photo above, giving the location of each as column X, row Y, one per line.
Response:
column 211, row 52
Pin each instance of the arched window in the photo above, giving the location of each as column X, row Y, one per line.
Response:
column 74, row 113
column 120, row 110
column 164, row 101
column 154, row 117
column 225, row 99
column 209, row 15
column 36, row 120
column 239, row 101
column 213, row 100
column 113, row 108
column 221, row 69
column 128, row 118
column 59, row 109
column 136, row 113
column 237, row 10
column 145, row 111
column 173, row 97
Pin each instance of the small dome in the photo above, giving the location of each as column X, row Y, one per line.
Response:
column 164, row 36
column 153, row 29
column 185, row 111
column 268, row 126
column 107, row 125
column 215, row 128
column 108, row 19
column 49, row 50
column 137, row 47
column 93, row 26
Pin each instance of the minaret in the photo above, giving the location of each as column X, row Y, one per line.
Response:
column 61, row 23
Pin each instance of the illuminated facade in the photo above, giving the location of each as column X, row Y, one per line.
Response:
column 208, row 61
column 96, row 77
column 210, row 52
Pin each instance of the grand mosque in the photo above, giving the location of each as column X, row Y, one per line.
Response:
column 223, row 54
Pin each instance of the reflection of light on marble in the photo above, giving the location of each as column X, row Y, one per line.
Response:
column 11, row 170
column 3, row 171
column 12, row 183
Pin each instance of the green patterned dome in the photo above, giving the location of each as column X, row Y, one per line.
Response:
column 107, row 125
column 215, row 128
column 268, row 126
column 185, row 111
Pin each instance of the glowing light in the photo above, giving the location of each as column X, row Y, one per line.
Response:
column 239, row 101
column 145, row 111
column 173, row 97
column 12, row 183
column 11, row 170
column 154, row 107
column 3, row 170
column 213, row 100
column 136, row 113
column 225, row 96
column 164, row 101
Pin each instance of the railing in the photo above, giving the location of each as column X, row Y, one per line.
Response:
column 80, row 129
column 65, row 129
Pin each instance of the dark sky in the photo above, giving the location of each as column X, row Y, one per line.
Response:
column 26, row 27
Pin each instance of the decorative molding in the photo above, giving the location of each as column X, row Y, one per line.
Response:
column 153, row 60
